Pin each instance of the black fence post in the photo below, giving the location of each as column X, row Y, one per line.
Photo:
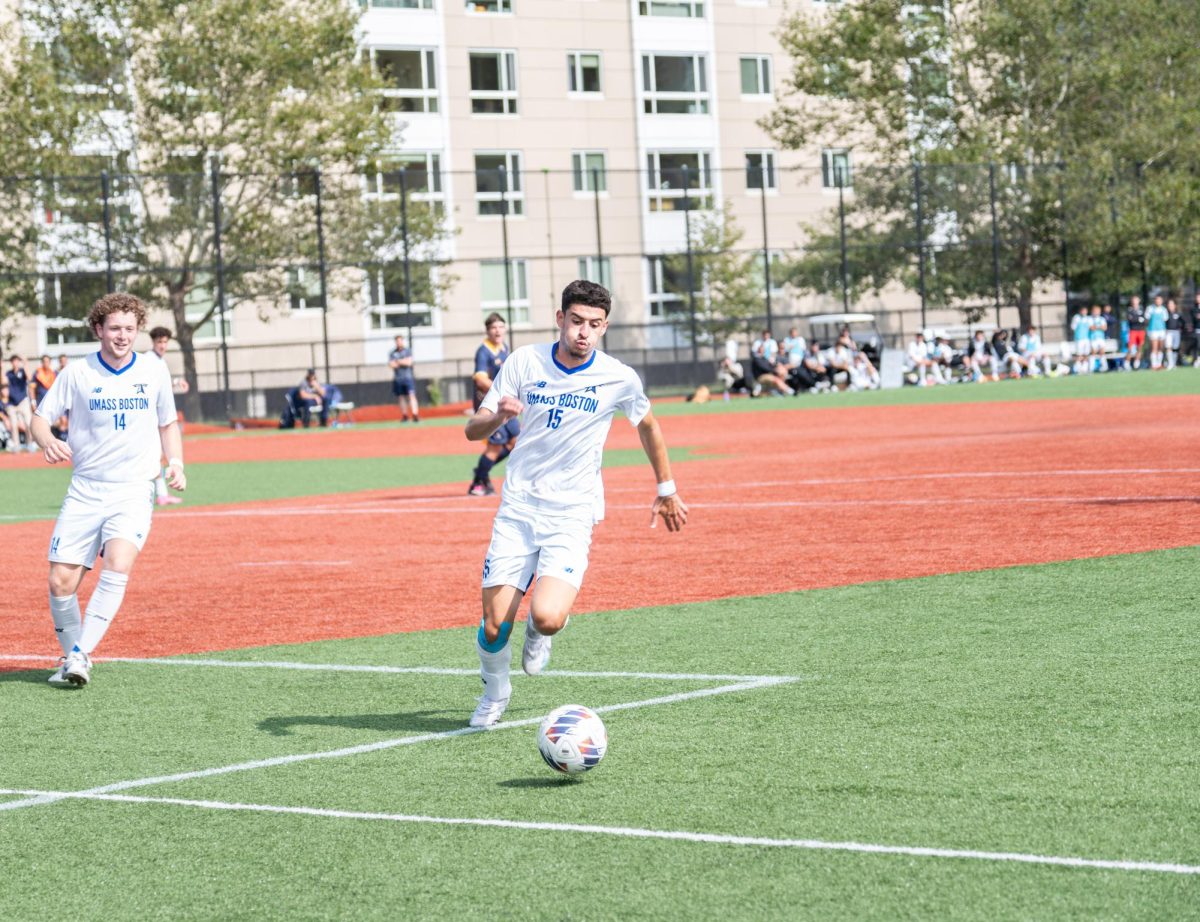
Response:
column 995, row 238
column 321, row 268
column 920, row 238
column 842, row 235
column 502, row 173
column 1066, row 265
column 220, row 273
column 765, row 246
column 691, row 282
column 110, row 282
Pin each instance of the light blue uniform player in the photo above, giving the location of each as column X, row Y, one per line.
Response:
column 1156, row 331
column 566, row 393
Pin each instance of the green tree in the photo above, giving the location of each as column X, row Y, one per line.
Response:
column 1079, row 115
column 727, row 279
column 236, row 101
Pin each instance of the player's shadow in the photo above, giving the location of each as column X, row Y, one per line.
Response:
column 412, row 722
column 35, row 676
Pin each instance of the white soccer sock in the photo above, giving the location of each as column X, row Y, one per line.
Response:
column 102, row 608
column 495, row 667
column 160, row 485
column 64, row 609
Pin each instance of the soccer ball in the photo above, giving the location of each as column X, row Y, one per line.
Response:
column 572, row 739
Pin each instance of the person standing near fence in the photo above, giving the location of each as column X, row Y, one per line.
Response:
column 122, row 419
column 404, row 384
column 1156, row 332
column 1174, row 332
column 20, row 410
column 160, row 338
column 1196, row 332
column 1136, row 318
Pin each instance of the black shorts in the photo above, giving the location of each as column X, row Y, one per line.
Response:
column 403, row 388
column 506, row 433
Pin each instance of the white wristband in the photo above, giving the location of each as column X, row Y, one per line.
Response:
column 666, row 488
column 175, row 462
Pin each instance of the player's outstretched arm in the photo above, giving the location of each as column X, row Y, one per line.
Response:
column 485, row 422
column 172, row 449
column 667, row 504
column 53, row 449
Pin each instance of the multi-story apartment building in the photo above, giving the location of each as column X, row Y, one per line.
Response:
column 558, row 137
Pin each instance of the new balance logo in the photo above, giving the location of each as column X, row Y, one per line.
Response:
column 97, row 390
column 590, row 390
column 569, row 569
column 540, row 384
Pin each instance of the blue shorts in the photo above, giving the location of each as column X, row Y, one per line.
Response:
column 403, row 388
column 506, row 433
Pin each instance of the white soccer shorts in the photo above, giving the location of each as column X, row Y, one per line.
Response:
column 94, row 513
column 528, row 541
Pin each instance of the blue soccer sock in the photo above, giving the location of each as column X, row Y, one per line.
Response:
column 495, row 661
column 483, row 468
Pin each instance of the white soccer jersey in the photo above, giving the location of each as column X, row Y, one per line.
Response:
column 567, row 415
column 115, row 416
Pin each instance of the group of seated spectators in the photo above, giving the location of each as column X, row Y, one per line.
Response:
column 20, row 393
column 308, row 399
column 932, row 357
column 793, row 366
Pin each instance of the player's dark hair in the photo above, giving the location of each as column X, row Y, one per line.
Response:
column 160, row 332
column 493, row 317
column 117, row 303
column 587, row 294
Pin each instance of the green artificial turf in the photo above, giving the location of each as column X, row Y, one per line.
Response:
column 1050, row 710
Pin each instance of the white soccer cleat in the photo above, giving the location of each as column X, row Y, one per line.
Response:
column 58, row 679
column 78, row 668
column 489, row 712
column 535, row 654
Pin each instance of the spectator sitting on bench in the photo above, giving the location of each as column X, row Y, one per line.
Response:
column 733, row 377
column 765, row 367
column 310, row 396
column 813, row 373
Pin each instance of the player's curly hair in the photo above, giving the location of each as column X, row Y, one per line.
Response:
column 117, row 302
column 588, row 294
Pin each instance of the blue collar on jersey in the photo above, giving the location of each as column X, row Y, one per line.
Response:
column 563, row 368
column 115, row 371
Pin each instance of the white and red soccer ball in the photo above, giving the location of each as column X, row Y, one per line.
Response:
column 572, row 739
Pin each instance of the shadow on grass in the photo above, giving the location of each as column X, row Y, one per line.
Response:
column 414, row 722
column 551, row 781
column 35, row 676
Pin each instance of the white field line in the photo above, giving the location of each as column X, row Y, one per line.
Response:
column 43, row 798
column 973, row 501
column 398, row 670
column 633, row 833
column 365, row 507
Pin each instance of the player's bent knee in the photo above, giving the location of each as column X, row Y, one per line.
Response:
column 549, row 621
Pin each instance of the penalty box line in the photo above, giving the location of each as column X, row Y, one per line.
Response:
column 635, row 833
column 362, row 749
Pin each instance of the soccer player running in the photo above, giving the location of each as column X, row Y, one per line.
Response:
column 488, row 358
column 122, row 419
column 566, row 392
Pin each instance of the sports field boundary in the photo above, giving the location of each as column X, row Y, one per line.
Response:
column 914, row 851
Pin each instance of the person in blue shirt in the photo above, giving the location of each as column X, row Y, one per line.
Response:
column 488, row 358
column 20, row 408
column 1156, row 332
column 404, row 385
column 1098, row 336
column 1081, row 332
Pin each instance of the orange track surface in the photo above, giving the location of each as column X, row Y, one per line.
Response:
column 784, row 501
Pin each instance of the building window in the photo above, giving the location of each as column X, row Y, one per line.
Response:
column 778, row 271
column 690, row 9
column 78, row 198
column 494, row 82
column 410, row 75
column 498, row 183
column 596, row 269
column 760, row 169
column 398, row 301
column 396, row 4
column 588, row 169
column 835, row 168
column 489, row 6
column 417, row 174
column 667, row 284
column 583, row 71
column 670, row 172
column 674, row 84
column 66, row 300
column 756, row 75
column 304, row 289
column 495, row 296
